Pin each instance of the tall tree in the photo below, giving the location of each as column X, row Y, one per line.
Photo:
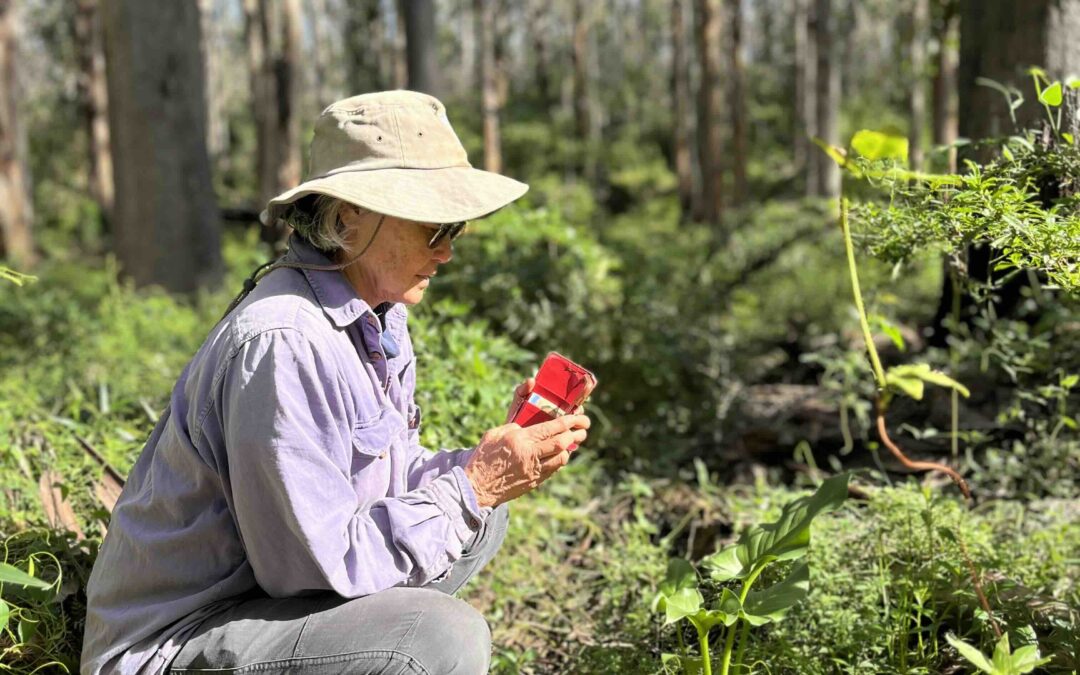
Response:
column 805, row 93
column 680, row 94
column 272, row 30
column 93, row 96
column 947, row 32
column 828, row 95
column 710, row 110
column 736, row 73
column 420, row 45
column 365, row 47
column 920, row 33
column 489, row 85
column 167, row 227
column 16, row 212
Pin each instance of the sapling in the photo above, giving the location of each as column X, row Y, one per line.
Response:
column 758, row 549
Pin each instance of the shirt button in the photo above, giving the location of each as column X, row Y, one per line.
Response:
column 375, row 356
column 471, row 522
column 382, row 455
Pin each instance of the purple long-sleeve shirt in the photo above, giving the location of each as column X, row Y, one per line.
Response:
column 288, row 460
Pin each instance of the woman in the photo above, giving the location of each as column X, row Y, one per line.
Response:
column 283, row 515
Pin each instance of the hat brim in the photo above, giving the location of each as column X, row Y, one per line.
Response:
column 446, row 195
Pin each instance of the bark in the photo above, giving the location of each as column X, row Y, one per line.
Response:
column 93, row 99
column 399, row 63
column 16, row 210
column 1000, row 39
column 680, row 94
column 167, row 229
column 710, row 111
column 827, row 97
column 273, row 39
column 736, row 74
column 805, row 92
column 365, row 47
column 920, row 29
column 489, row 91
column 945, row 116
column 420, row 45
column 321, row 55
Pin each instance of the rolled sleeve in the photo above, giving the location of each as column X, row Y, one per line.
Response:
column 286, row 417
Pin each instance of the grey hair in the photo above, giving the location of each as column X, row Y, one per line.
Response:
column 317, row 218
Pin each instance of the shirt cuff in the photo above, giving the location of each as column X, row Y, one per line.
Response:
column 476, row 515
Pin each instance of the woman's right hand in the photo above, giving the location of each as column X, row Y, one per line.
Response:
column 510, row 460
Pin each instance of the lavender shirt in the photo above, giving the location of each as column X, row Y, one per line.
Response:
column 288, row 460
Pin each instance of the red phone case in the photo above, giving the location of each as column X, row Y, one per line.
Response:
column 561, row 386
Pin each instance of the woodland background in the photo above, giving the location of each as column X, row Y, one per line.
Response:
column 680, row 238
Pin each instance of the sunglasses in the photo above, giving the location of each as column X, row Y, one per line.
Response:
column 451, row 230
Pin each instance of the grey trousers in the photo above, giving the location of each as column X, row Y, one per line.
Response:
column 406, row 631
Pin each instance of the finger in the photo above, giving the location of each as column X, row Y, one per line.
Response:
column 554, row 463
column 545, row 430
column 564, row 442
column 525, row 387
column 580, row 410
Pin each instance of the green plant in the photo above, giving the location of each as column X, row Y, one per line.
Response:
column 758, row 549
column 1004, row 661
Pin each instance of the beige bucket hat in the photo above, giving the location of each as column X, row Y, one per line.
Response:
column 394, row 152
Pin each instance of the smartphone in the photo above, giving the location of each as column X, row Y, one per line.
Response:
column 561, row 385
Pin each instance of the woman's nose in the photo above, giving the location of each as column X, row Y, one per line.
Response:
column 444, row 252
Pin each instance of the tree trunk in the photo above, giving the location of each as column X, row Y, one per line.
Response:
column 945, row 118
column 421, row 44
column 580, row 55
column 827, row 97
column 1000, row 39
column 680, row 94
column 94, row 105
column 364, row 47
column 806, row 153
column 167, row 229
column 538, row 22
column 399, row 63
column 738, row 103
column 920, row 29
column 489, row 91
column 274, row 66
column 16, row 208
column 710, row 111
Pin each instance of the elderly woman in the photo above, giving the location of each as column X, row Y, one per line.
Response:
column 283, row 515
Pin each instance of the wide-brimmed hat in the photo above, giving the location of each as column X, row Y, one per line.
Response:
column 394, row 152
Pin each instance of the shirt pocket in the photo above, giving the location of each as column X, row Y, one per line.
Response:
column 373, row 438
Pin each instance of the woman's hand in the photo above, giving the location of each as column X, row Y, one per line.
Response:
column 510, row 461
column 522, row 392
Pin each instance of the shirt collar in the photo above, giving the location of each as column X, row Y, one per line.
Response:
column 333, row 291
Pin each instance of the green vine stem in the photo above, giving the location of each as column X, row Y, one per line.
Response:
column 703, row 642
column 875, row 360
column 729, row 642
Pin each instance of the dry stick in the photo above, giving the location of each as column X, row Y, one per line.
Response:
column 914, row 465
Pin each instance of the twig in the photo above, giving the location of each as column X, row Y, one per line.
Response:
column 916, row 465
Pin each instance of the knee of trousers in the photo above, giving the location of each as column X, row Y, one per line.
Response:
column 451, row 637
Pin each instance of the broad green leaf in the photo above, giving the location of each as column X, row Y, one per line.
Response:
column 774, row 602
column 5, row 614
column 27, row 630
column 970, row 653
column 875, row 145
column 723, row 565
column 789, row 537
column 1026, row 659
column 678, row 595
column 683, row 603
column 9, row 574
column 890, row 329
column 1069, row 381
column 908, row 378
column 1001, row 658
column 1051, row 95
column 837, row 154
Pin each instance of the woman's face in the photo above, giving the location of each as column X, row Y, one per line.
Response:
column 399, row 265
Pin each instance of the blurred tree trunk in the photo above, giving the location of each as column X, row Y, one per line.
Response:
column 93, row 98
column 321, row 55
column 806, row 161
column 1000, row 39
column 421, row 44
column 274, row 57
column 167, row 229
column 489, row 90
column 16, row 207
column 399, row 63
column 945, row 119
column 217, row 124
column 920, row 34
column 710, row 111
column 680, row 94
column 365, row 47
column 736, row 74
column 538, row 31
column 827, row 80
column 583, row 104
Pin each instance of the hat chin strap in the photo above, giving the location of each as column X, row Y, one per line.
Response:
column 266, row 268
